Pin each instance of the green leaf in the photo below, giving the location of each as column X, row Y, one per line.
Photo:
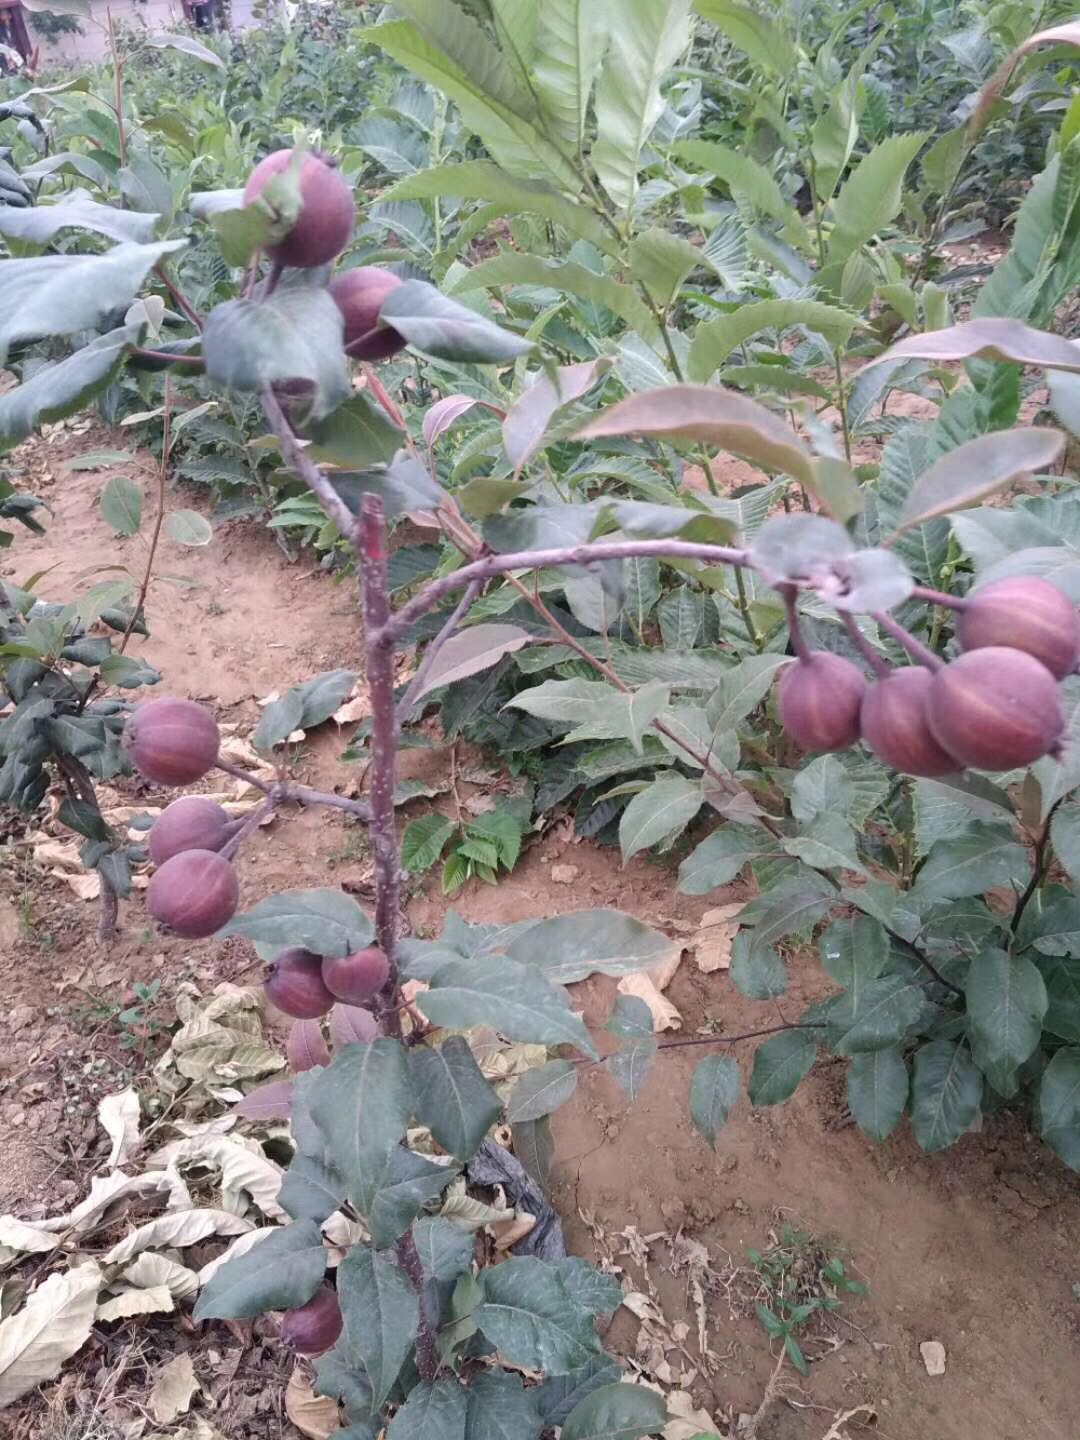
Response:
column 709, row 416
column 500, row 1408
column 534, row 1146
column 742, row 689
column 757, row 971
column 593, row 707
column 854, row 951
column 945, row 1093
column 38, row 224
column 571, row 38
column 62, row 294
column 617, row 1412
column 381, row 1314
column 516, row 143
column 762, row 39
column 874, row 1014
column 877, row 1091
column 715, row 340
column 661, row 262
column 720, row 857
column 423, row 841
column 512, row 268
column 514, row 998
column 713, row 1092
column 747, row 179
column 63, row 388
column 527, row 1312
column 121, row 505
column 281, row 1272
column 323, row 694
column 188, row 527
column 480, row 180
column 186, row 45
column 568, row 948
column 787, row 913
column 362, row 1103
column 629, row 1066
column 355, row 435
column 558, row 1394
column 979, row 468
column 663, row 808
column 445, row 1250
column 780, row 1062
column 869, row 200
column 646, row 41
column 442, row 328
column 986, row 855
column 311, row 1190
column 834, row 134
column 1059, row 1106
column 1065, row 835
column 828, row 843
column 410, row 1183
column 630, row 1017
column 1061, row 975
column 278, row 720
column 434, row 1411
column 541, row 1091
column 293, row 339
column 453, row 1099
column 1006, row 1002
column 329, row 922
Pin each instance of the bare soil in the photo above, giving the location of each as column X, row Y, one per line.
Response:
column 975, row 1247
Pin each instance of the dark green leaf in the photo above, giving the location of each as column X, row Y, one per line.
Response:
column 409, row 1183
column 1059, row 1106
column 61, row 388
column 535, row 1148
column 500, row 1408
column 362, row 1104
column 757, row 970
column 874, row 1014
column 311, row 1190
column 591, row 1290
column 664, row 808
column 381, row 1313
column 1006, row 1002
column 188, row 527
column 445, row 1249
column 558, row 1395
column 854, row 950
column 293, row 340
column 528, row 1314
column 617, row 1412
column 453, row 1099
column 720, row 857
column 1061, row 975
column 513, row 997
column 713, row 1092
column 39, row 223
column 877, row 1091
column 433, row 1411
column 588, row 942
column 355, row 435
column 541, row 1090
column 630, row 1017
column 629, row 1066
column 281, row 1272
column 780, row 1062
column 278, row 720
column 323, row 694
column 986, row 855
column 329, row 922
column 945, row 1093
column 447, row 330
column 62, row 294
column 121, row 505
column 423, row 841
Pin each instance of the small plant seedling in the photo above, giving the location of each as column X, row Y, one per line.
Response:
column 801, row 1278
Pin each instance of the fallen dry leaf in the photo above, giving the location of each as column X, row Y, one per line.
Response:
column 715, row 937
column 53, row 1324
column 315, row 1416
column 665, row 1016
column 663, row 972
column 119, row 1116
column 173, row 1390
column 154, row 1299
column 509, row 1232
column 686, row 1422
column 865, row 1414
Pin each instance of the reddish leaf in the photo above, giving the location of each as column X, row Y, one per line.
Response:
column 267, row 1102
column 710, row 414
column 527, row 421
column 1007, row 340
column 442, row 415
column 470, row 651
column 1067, row 34
column 977, row 469
column 306, row 1047
column 350, row 1024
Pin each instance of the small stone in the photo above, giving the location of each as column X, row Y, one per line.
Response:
column 933, row 1356
column 564, row 874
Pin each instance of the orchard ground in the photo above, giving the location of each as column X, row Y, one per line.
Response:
column 974, row 1248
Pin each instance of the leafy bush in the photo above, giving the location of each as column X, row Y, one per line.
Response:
column 654, row 299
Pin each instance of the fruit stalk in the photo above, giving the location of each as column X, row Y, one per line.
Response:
column 915, row 648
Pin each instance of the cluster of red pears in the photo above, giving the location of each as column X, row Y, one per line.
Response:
column 997, row 706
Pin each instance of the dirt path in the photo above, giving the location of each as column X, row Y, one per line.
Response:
column 975, row 1248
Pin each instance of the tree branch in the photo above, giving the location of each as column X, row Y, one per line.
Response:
column 293, row 453
column 408, row 700
column 427, row 1355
